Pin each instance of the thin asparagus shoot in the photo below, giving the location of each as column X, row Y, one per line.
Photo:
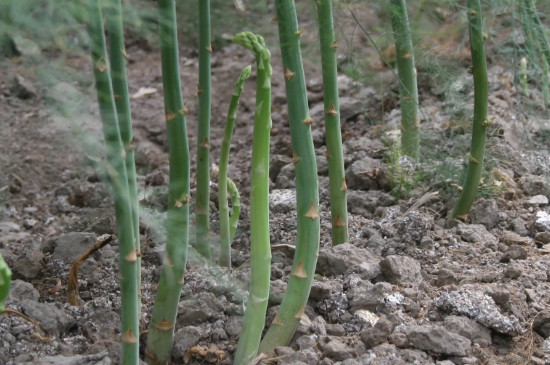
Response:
column 225, row 227
column 202, row 207
column 335, row 154
column 410, row 135
column 480, row 122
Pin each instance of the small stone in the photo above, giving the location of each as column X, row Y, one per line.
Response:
column 520, row 227
column 198, row 309
column 535, row 201
column 276, row 291
column 283, row 351
column 542, row 221
column 542, row 237
column 322, row 163
column 367, row 318
column 282, row 201
column 445, row 277
column 534, row 185
column 318, row 326
column 99, row 358
column 475, row 233
column 541, row 324
column 29, row 223
column 469, row 360
column 479, row 306
column 512, row 272
column 514, row 253
column 339, row 259
column 22, row 88
column 414, row 226
column 399, row 339
column 333, row 307
column 486, row 212
column 364, row 146
column 53, row 319
column 234, row 326
column 25, row 46
column 285, row 178
column 338, row 350
column 350, row 108
column 377, row 334
column 21, row 290
column 368, row 296
column 156, row 178
column 7, row 226
column 29, row 263
column 65, row 94
column 318, row 136
column 184, row 339
column 303, row 357
column 71, row 246
column 367, row 174
column 276, row 163
column 335, row 329
column 401, row 270
column 470, row 329
column 307, row 341
column 438, row 339
column 363, row 203
column 320, row 290
column 512, row 238
column 102, row 324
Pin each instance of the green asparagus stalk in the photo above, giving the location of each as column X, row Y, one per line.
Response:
column 294, row 301
column 408, row 90
column 260, row 257
column 225, row 228
column 235, row 208
column 119, row 181
column 5, row 283
column 480, row 122
column 161, row 329
column 202, row 207
column 117, row 53
column 335, row 154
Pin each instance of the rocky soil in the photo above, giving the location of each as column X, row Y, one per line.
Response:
column 404, row 290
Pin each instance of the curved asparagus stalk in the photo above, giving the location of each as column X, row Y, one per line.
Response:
column 307, row 192
column 5, row 283
column 202, row 208
column 260, row 271
column 408, row 90
column 480, row 123
column 161, row 328
column 335, row 154
column 119, row 181
column 235, row 208
column 225, row 229
column 117, row 54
